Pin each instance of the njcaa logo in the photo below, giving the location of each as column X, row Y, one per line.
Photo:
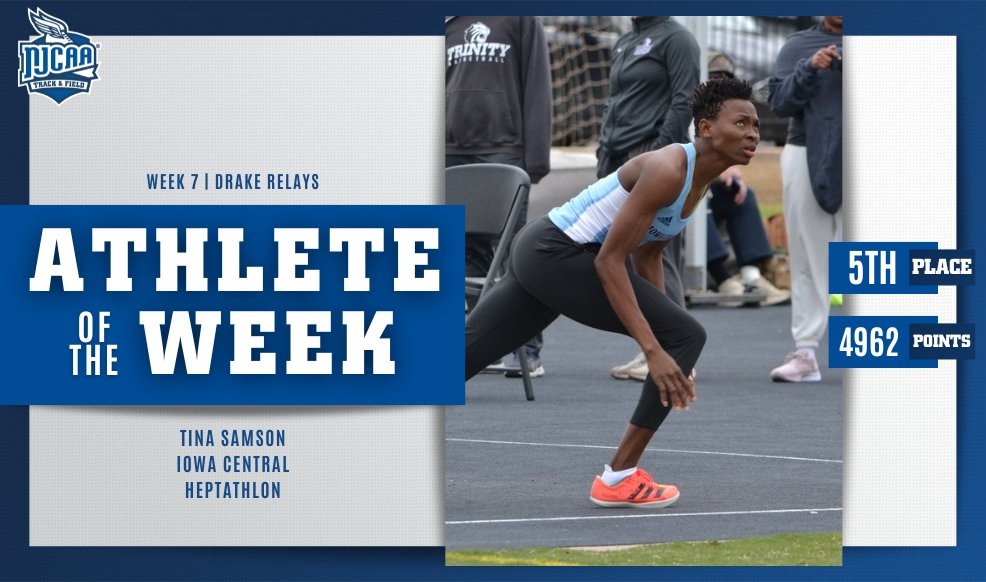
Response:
column 476, row 49
column 58, row 64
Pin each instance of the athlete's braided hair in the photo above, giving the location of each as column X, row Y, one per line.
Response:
column 709, row 96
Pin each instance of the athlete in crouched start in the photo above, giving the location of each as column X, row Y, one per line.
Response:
column 574, row 263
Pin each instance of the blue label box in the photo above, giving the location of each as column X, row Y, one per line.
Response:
column 874, row 342
column 874, row 267
column 942, row 267
column 943, row 341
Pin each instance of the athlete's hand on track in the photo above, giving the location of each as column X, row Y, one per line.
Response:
column 675, row 388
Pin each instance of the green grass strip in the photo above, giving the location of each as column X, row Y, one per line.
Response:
column 768, row 210
column 816, row 549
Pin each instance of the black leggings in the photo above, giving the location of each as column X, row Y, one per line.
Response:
column 551, row 275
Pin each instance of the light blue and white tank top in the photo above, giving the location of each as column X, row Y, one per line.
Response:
column 588, row 217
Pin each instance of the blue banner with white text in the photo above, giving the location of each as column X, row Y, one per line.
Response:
column 232, row 304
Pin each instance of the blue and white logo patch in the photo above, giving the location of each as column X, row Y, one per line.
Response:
column 58, row 64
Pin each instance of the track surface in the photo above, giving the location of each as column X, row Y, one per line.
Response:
column 751, row 457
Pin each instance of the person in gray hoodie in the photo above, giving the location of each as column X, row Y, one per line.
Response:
column 498, row 107
column 498, row 92
column 807, row 86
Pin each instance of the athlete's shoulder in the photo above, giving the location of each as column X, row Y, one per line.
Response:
column 672, row 158
column 661, row 173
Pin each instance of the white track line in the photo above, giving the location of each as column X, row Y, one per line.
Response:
column 644, row 515
column 489, row 442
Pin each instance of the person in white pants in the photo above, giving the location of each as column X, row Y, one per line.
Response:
column 809, row 230
column 807, row 86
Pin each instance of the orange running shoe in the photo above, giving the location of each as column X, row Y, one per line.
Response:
column 637, row 490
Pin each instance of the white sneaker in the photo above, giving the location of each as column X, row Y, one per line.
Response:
column 534, row 366
column 774, row 296
column 497, row 367
column 635, row 369
column 798, row 366
column 732, row 286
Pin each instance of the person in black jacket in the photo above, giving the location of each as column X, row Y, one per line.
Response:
column 654, row 71
column 498, row 110
column 807, row 86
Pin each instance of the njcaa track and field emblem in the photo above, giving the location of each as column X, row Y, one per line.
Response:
column 58, row 64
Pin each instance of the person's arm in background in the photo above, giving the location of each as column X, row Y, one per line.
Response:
column 794, row 77
column 536, row 100
column 682, row 56
column 731, row 176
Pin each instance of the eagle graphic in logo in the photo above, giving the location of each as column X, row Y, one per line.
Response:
column 59, row 63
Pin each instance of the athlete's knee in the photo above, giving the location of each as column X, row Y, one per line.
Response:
column 682, row 330
column 700, row 335
column 695, row 334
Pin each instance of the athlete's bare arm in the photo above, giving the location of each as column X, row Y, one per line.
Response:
column 655, row 181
